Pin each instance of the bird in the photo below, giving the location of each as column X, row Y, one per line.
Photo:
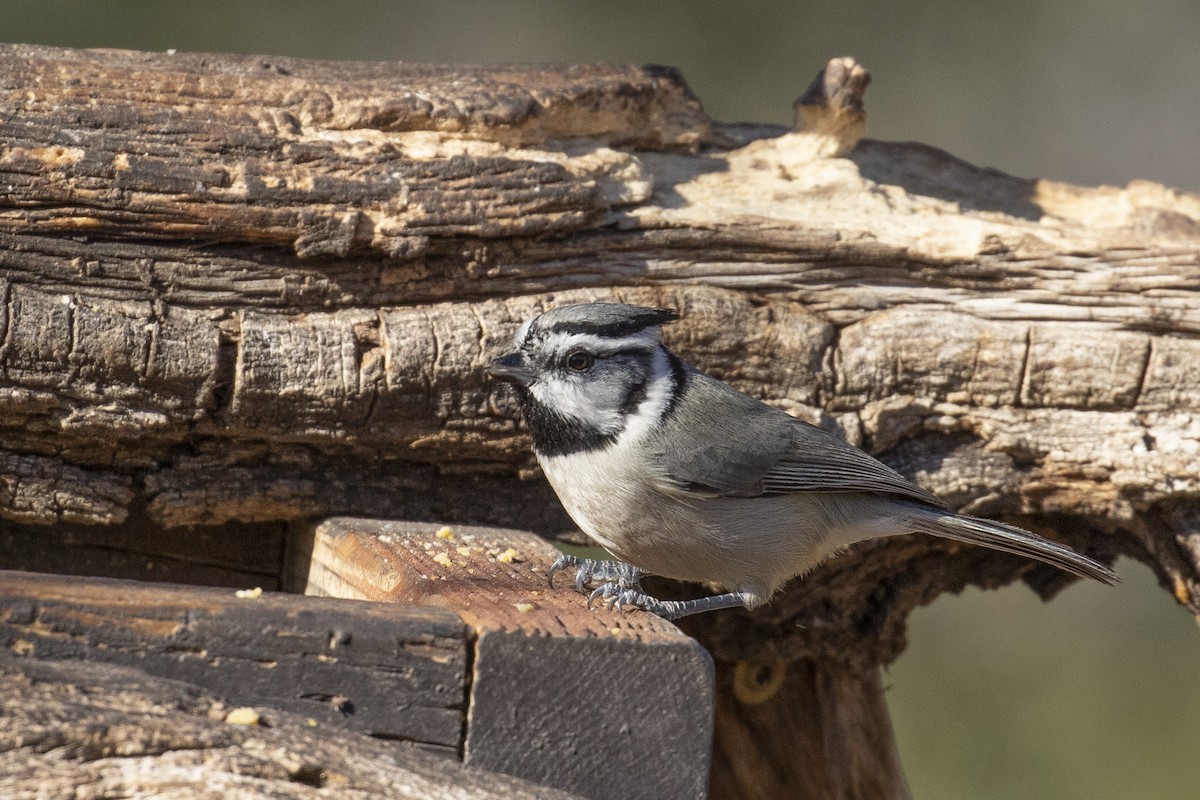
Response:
column 678, row 474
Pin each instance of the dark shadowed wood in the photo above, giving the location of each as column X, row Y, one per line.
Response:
column 72, row 729
column 394, row 672
column 803, row 730
column 604, row 704
column 233, row 554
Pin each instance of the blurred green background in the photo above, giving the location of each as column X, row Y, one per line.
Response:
column 1096, row 695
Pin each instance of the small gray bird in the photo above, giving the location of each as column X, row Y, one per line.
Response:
column 679, row 474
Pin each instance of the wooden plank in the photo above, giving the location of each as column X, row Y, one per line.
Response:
column 603, row 704
column 62, row 723
column 390, row 671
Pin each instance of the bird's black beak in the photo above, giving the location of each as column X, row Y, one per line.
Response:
column 510, row 369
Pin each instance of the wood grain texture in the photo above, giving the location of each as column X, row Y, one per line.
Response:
column 814, row 733
column 396, row 673
column 70, row 728
column 608, row 705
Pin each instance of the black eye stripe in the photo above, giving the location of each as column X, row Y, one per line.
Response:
column 635, row 396
column 628, row 352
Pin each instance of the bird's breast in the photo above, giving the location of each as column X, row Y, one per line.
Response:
column 611, row 498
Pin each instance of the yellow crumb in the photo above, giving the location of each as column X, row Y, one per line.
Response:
column 444, row 532
column 509, row 556
column 443, row 559
column 242, row 716
column 524, row 608
column 463, row 550
column 312, row 723
column 249, row 594
column 614, row 631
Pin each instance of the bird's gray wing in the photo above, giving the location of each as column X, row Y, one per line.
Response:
column 722, row 443
column 820, row 461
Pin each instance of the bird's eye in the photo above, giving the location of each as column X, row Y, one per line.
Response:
column 580, row 360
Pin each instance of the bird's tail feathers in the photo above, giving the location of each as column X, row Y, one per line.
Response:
column 1010, row 539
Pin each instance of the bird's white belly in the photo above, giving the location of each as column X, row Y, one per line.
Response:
column 608, row 499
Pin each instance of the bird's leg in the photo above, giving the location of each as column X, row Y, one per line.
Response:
column 619, row 599
column 619, row 586
column 591, row 573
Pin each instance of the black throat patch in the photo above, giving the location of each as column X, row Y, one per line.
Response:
column 557, row 435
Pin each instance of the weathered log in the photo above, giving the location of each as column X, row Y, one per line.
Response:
column 240, row 291
column 73, row 727
column 401, row 671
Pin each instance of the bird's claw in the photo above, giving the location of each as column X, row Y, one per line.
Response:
column 614, row 585
column 593, row 572
column 617, row 598
column 618, row 586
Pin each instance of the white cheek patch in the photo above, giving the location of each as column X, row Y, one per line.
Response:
column 573, row 400
column 659, row 393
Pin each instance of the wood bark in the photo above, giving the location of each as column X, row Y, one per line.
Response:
column 242, row 291
column 72, row 728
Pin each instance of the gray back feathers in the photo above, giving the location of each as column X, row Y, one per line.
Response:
column 746, row 448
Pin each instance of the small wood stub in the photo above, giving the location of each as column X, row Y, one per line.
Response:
column 604, row 704
column 390, row 671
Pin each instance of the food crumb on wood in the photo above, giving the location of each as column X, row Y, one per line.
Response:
column 509, row 556
column 249, row 594
column 463, row 550
column 444, row 532
column 243, row 716
column 443, row 559
column 524, row 608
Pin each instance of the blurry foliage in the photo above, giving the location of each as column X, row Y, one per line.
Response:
column 1094, row 695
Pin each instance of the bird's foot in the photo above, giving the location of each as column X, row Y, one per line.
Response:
column 617, row 598
column 591, row 573
column 618, row 586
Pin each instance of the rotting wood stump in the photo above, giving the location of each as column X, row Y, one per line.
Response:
column 242, row 293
